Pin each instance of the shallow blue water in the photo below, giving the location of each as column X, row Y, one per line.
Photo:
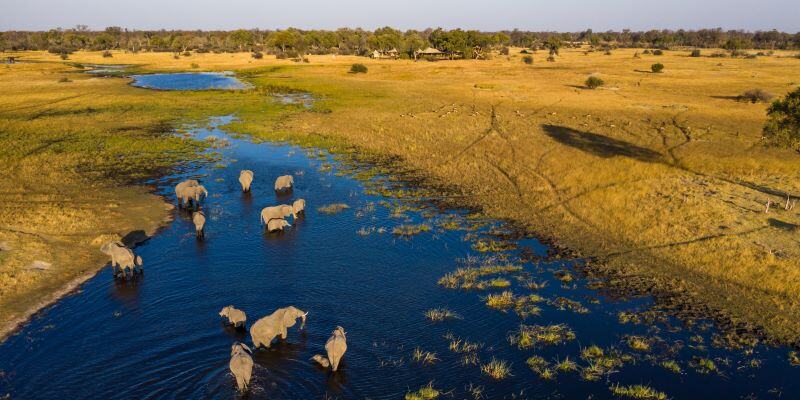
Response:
column 188, row 81
column 161, row 337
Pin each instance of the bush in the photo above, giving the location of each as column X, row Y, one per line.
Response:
column 358, row 69
column 64, row 56
column 695, row 53
column 756, row 96
column 658, row 52
column 647, row 51
column 608, row 52
column 551, row 59
column 187, row 53
column 257, row 55
column 527, row 60
column 718, row 54
column 107, row 54
column 636, row 55
column 783, row 123
column 504, row 51
column 594, row 82
column 657, row 67
column 195, row 65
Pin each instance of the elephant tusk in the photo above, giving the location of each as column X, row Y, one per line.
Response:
column 306, row 314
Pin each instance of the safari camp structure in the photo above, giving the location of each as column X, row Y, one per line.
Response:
column 391, row 54
column 435, row 54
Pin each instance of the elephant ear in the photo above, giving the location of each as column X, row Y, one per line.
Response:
column 244, row 346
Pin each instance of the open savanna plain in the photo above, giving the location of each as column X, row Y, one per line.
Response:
column 660, row 180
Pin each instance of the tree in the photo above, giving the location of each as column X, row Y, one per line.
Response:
column 553, row 43
column 783, row 124
column 242, row 39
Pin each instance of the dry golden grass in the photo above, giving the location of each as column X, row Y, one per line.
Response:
column 658, row 175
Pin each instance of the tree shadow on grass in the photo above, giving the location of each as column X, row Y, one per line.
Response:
column 600, row 145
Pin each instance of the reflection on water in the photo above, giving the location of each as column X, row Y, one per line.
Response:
column 188, row 81
column 161, row 337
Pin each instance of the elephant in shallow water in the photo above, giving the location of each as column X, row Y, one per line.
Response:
column 191, row 194
column 336, row 346
column 246, row 179
column 276, row 212
column 235, row 317
column 241, row 365
column 284, row 183
column 276, row 324
column 180, row 187
column 122, row 258
column 199, row 219
column 298, row 207
column 277, row 224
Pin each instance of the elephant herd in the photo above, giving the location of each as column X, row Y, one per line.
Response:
column 189, row 193
column 265, row 330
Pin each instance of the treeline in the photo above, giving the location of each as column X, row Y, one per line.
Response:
column 291, row 42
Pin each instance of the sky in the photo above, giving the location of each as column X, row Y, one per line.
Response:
column 487, row 15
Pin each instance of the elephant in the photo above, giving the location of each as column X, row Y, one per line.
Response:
column 237, row 318
column 321, row 360
column 179, row 188
column 284, row 183
column 246, row 179
column 336, row 346
column 276, row 324
column 298, row 207
column 276, row 212
column 277, row 224
column 199, row 219
column 191, row 194
column 241, row 365
column 122, row 258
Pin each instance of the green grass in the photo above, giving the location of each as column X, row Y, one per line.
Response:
column 497, row 369
column 639, row 392
column 530, row 336
column 441, row 314
column 424, row 393
column 331, row 209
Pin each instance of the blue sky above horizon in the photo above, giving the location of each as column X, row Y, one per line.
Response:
column 488, row 15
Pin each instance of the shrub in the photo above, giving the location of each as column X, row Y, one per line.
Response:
column 718, row 54
column 527, row 60
column 657, row 67
column 594, row 82
column 636, row 55
column 64, row 80
column 783, row 124
column 358, row 69
column 107, row 54
column 187, row 53
column 657, row 52
column 504, row 51
column 647, row 51
column 64, row 56
column 551, row 59
column 695, row 53
column 756, row 96
column 608, row 52
column 194, row 65
column 257, row 55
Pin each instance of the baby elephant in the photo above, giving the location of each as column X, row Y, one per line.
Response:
column 241, row 365
column 298, row 207
column 235, row 317
column 336, row 347
column 246, row 179
column 199, row 219
column 277, row 225
column 284, row 183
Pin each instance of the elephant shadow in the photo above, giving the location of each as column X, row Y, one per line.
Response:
column 337, row 380
column 237, row 333
column 278, row 353
column 133, row 238
column 283, row 195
